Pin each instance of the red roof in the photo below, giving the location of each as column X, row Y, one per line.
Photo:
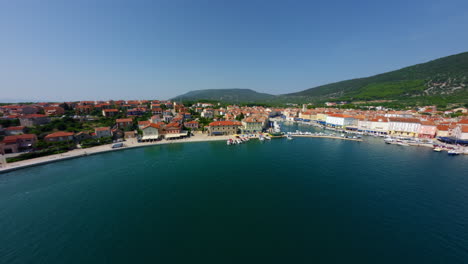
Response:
column 176, row 125
column 102, row 128
column 124, row 120
column 404, row 120
column 143, row 123
column 14, row 128
column 153, row 125
column 33, row 116
column 111, row 110
column 13, row 139
column 60, row 134
column 225, row 123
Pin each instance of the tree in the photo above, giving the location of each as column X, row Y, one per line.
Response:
column 240, row 117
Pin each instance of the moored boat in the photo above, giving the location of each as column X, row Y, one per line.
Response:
column 453, row 152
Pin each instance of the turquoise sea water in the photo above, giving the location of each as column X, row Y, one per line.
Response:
column 301, row 201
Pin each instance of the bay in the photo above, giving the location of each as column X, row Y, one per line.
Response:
column 307, row 200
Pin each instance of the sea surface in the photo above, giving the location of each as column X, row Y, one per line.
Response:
column 307, row 200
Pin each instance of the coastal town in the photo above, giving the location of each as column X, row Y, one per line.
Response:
column 34, row 130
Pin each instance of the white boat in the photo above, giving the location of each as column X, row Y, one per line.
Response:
column 453, row 152
column 289, row 137
column 267, row 137
column 402, row 144
column 437, row 149
column 261, row 138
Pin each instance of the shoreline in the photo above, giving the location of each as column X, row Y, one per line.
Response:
column 78, row 153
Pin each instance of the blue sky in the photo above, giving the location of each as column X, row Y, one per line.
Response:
column 76, row 50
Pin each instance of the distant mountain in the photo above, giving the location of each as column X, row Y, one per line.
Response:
column 444, row 78
column 440, row 81
column 225, row 95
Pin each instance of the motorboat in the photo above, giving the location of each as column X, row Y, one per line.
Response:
column 453, row 152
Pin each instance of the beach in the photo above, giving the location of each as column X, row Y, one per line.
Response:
column 128, row 144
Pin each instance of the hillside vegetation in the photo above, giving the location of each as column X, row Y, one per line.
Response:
column 441, row 81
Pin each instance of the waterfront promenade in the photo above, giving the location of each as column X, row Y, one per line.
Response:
column 129, row 144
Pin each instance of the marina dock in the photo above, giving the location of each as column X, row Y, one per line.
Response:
column 332, row 137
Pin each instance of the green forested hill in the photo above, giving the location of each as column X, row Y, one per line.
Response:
column 226, row 95
column 440, row 81
column 445, row 78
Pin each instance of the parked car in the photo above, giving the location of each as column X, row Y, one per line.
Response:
column 118, row 145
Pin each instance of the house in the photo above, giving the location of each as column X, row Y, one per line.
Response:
column 103, row 132
column 80, row 136
column 138, row 111
column 223, row 128
column 156, row 119
column 110, row 112
column 192, row 124
column 151, row 132
column 14, row 144
column 207, row 113
column 186, row 116
column 402, row 126
column 34, row 120
column 84, row 109
column 157, row 110
column 54, row 111
column 60, row 136
column 124, row 123
column 15, row 130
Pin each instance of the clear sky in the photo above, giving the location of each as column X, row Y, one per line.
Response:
column 75, row 50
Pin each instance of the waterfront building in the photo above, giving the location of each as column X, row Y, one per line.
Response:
column 308, row 115
column 60, row 136
column 442, row 130
column 224, row 128
column 461, row 132
column 428, row 129
column 400, row 126
column 103, row 132
column 253, row 124
column 151, row 132
column 173, row 128
column 339, row 120
column 379, row 125
column 34, row 120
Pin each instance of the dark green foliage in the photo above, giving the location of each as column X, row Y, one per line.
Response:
column 45, row 149
column 92, row 142
column 63, row 124
column 9, row 122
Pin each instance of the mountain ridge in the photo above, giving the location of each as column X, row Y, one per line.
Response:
column 441, row 80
